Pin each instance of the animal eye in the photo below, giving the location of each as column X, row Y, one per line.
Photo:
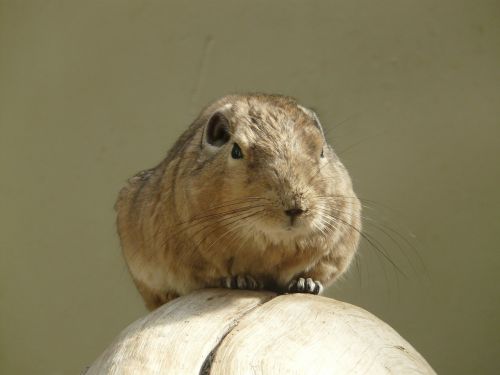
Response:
column 322, row 153
column 236, row 152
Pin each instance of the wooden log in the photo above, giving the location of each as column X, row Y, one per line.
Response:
column 218, row 331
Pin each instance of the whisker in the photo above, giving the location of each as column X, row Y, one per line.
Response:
column 372, row 241
column 232, row 230
column 220, row 213
column 224, row 205
column 214, row 218
column 317, row 172
column 342, row 152
column 365, row 237
column 237, row 234
column 228, row 224
column 329, row 224
column 386, row 231
column 365, row 200
column 217, row 221
column 321, row 230
column 237, row 201
column 341, row 123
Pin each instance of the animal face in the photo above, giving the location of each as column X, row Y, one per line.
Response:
column 275, row 154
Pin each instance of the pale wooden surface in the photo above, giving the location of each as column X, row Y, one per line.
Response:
column 221, row 331
column 177, row 337
column 305, row 334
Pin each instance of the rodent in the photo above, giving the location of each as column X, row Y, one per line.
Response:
column 250, row 196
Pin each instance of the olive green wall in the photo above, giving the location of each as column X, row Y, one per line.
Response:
column 93, row 91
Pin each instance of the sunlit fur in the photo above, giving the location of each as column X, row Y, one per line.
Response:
column 201, row 216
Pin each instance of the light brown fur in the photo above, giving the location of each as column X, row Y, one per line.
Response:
column 201, row 217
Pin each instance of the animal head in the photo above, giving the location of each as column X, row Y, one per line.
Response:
column 266, row 158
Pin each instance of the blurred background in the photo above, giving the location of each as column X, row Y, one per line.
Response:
column 93, row 91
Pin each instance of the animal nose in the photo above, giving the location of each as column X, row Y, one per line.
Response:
column 293, row 212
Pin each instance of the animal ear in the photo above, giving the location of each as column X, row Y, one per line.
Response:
column 314, row 116
column 318, row 124
column 217, row 130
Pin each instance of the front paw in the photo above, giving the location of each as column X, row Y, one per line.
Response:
column 241, row 282
column 302, row 285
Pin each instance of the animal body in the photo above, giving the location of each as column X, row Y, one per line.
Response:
column 250, row 196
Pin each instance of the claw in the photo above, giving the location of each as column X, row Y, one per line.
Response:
column 305, row 285
column 241, row 282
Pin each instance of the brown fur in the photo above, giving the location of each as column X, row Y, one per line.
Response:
column 201, row 216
